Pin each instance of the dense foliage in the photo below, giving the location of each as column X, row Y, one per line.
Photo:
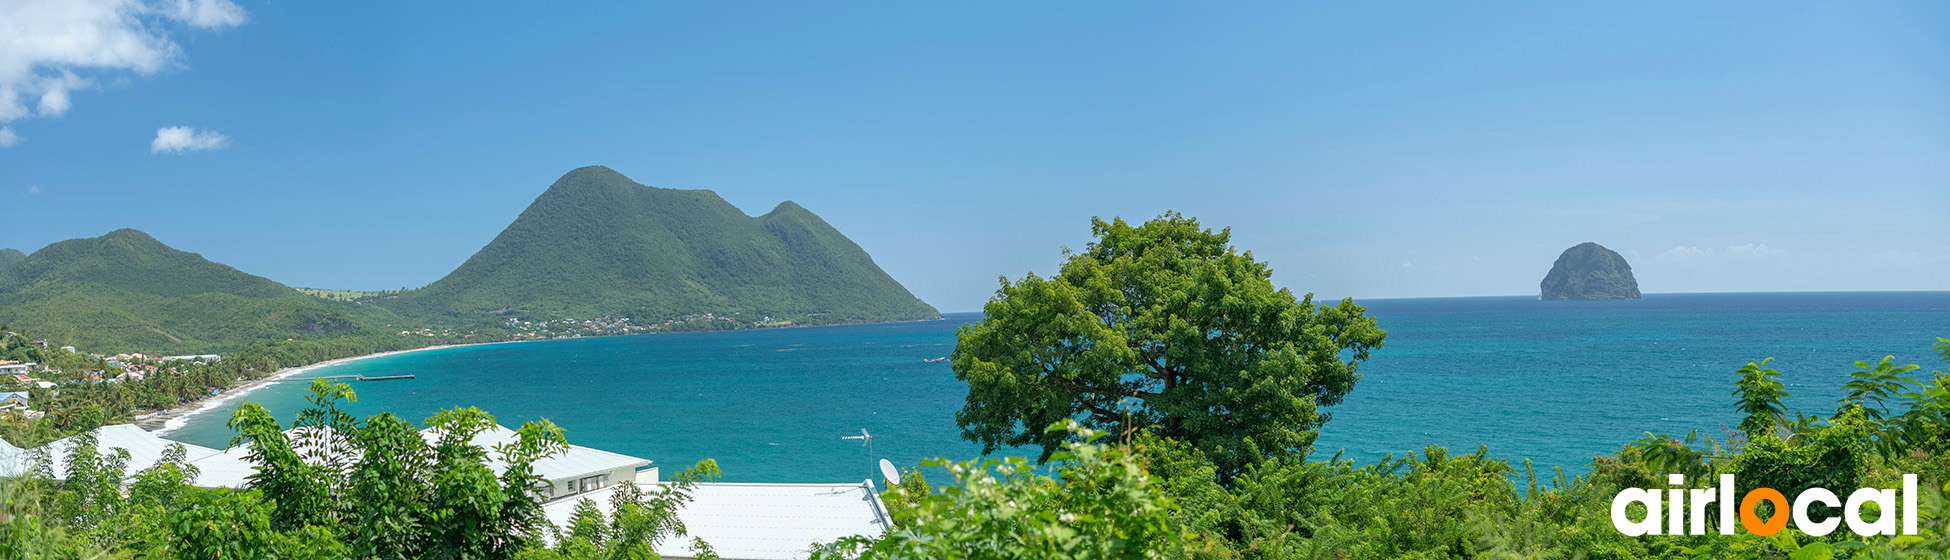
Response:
column 10, row 256
column 597, row 243
column 1167, row 326
column 79, row 403
column 342, row 488
column 1437, row 504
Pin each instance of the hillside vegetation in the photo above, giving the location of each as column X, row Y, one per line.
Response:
column 598, row 244
column 125, row 291
column 10, row 256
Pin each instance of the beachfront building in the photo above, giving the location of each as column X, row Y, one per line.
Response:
column 768, row 521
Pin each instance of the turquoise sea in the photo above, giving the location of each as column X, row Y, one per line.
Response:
column 1558, row 382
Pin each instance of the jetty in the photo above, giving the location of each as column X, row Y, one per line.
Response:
column 360, row 377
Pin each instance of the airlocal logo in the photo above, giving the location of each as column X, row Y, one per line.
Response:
column 1675, row 512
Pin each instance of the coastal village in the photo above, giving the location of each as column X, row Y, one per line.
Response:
column 739, row 520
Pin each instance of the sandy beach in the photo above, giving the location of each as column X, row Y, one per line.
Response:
column 172, row 418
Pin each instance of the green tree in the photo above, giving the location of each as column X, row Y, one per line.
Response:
column 223, row 526
column 389, row 494
column 1164, row 326
column 1100, row 504
column 1760, row 391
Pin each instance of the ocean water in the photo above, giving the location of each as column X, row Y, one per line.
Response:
column 1556, row 382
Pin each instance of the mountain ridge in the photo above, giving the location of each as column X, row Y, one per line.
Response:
column 125, row 290
column 595, row 243
column 656, row 254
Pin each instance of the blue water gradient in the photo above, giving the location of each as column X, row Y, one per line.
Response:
column 1554, row 381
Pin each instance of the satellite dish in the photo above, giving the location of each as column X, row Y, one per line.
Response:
column 888, row 471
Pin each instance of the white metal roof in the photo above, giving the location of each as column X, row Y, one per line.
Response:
column 13, row 460
column 144, row 448
column 748, row 521
column 227, row 469
column 577, row 461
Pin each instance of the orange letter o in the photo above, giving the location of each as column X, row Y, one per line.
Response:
column 1752, row 521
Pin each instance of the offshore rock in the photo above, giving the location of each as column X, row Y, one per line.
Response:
column 1590, row 271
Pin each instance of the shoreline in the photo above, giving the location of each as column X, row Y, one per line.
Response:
column 170, row 419
column 173, row 418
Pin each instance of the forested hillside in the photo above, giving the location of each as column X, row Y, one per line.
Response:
column 597, row 243
column 10, row 256
column 127, row 292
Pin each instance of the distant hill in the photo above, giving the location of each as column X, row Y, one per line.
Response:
column 125, row 291
column 1589, row 271
column 10, row 256
column 597, row 243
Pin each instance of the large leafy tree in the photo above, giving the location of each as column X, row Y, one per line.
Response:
column 1167, row 327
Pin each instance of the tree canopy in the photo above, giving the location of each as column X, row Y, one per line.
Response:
column 1167, row 327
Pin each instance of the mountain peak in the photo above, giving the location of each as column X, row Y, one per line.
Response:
column 597, row 243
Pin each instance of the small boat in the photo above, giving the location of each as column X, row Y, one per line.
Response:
column 933, row 360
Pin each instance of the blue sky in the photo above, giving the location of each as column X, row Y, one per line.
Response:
column 1370, row 150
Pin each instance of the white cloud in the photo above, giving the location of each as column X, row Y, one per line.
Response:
column 179, row 139
column 50, row 45
column 207, row 14
column 1408, row 265
column 33, row 190
column 1755, row 251
column 7, row 137
column 1683, row 252
column 1748, row 252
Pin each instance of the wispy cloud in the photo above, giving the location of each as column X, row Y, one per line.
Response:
column 53, row 46
column 1743, row 252
column 180, row 139
column 8, row 138
column 33, row 190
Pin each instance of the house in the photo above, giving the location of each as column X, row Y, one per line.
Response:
column 13, row 398
column 575, row 471
column 767, row 521
column 16, row 369
column 194, row 358
column 68, row 349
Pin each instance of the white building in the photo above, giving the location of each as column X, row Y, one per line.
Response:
column 144, row 449
column 575, row 471
column 744, row 521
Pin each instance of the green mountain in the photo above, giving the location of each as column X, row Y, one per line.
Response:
column 10, row 256
column 596, row 243
column 125, row 292
column 1590, row 271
